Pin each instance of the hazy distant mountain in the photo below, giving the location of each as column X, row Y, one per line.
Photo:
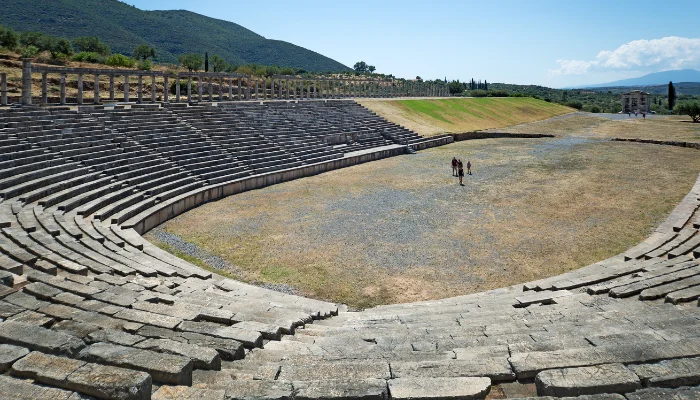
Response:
column 172, row 33
column 656, row 78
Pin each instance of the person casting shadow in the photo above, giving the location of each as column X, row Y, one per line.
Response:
column 460, row 172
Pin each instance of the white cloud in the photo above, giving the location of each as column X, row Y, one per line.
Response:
column 670, row 52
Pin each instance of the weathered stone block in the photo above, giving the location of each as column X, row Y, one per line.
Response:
column 439, row 388
column 163, row 368
column 187, row 393
column 9, row 354
column 39, row 339
column 606, row 378
column 366, row 389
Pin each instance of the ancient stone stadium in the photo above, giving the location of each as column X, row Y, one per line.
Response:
column 90, row 309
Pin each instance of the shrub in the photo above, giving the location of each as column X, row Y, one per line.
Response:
column 595, row 109
column 145, row 65
column 91, row 44
column 690, row 109
column 498, row 93
column 478, row 93
column 8, row 38
column 547, row 99
column 120, row 60
column 89, row 57
column 574, row 104
column 30, row 52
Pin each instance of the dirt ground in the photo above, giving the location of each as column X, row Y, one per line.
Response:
column 402, row 229
column 588, row 125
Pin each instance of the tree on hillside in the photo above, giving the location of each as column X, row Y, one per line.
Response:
column 690, row 109
column 218, row 64
column 371, row 69
column 35, row 39
column 192, row 62
column 671, row 96
column 91, row 44
column 8, row 38
column 360, row 67
column 61, row 47
column 206, row 61
column 564, row 96
column 144, row 52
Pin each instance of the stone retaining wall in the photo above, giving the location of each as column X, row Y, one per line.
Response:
column 155, row 216
column 663, row 142
column 492, row 135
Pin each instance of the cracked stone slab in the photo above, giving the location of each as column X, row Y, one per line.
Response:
column 107, row 382
column 496, row 368
column 9, row 354
column 527, row 365
column 366, row 389
column 684, row 393
column 607, row 396
column 18, row 389
column 321, row 370
column 202, row 357
column 163, row 368
column 598, row 379
column 248, row 338
column 187, row 393
column 439, row 388
column 104, row 382
column 670, row 373
column 40, row 339
column 253, row 390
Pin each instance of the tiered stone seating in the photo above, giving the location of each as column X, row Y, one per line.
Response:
column 241, row 138
column 89, row 309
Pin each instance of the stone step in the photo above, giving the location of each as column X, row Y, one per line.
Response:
column 598, row 379
column 19, row 389
column 669, row 373
column 39, row 339
column 445, row 388
column 103, row 382
column 527, row 365
column 163, row 368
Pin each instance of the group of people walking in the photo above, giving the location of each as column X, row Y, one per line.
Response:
column 458, row 169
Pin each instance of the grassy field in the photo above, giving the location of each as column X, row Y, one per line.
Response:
column 438, row 116
column 401, row 229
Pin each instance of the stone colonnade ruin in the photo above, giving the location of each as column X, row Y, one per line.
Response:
column 158, row 86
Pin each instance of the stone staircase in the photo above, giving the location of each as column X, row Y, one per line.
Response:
column 89, row 309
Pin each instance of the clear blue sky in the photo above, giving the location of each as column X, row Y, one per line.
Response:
column 551, row 43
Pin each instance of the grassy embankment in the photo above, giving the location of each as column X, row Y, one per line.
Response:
column 438, row 116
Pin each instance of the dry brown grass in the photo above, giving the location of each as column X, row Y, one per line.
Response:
column 590, row 125
column 401, row 229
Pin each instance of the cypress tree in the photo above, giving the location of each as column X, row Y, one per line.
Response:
column 206, row 61
column 486, row 85
column 671, row 96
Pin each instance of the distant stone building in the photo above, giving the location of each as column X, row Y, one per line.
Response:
column 635, row 101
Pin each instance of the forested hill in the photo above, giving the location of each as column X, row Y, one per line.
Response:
column 172, row 33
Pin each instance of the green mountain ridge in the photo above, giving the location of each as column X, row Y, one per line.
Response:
column 171, row 33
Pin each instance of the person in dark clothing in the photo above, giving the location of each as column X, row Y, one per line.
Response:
column 454, row 166
column 460, row 171
column 469, row 167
